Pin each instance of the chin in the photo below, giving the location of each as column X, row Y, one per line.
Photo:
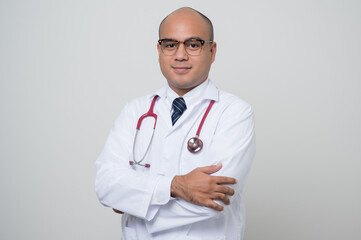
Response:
column 183, row 85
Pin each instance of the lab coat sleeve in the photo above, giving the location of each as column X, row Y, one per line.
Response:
column 118, row 185
column 233, row 144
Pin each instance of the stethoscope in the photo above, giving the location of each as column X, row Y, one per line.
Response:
column 194, row 144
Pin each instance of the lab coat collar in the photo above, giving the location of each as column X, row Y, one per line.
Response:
column 211, row 92
column 206, row 90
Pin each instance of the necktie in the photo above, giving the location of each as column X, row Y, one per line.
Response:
column 179, row 106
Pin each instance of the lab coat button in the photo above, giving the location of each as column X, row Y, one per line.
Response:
column 158, row 200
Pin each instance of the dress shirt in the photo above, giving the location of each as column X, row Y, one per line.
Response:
column 143, row 194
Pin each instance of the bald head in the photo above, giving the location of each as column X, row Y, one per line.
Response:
column 189, row 12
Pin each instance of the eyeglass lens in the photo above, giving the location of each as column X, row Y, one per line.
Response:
column 192, row 46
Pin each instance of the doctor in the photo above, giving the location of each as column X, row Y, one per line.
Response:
column 166, row 187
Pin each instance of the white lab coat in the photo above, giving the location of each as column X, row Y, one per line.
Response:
column 144, row 193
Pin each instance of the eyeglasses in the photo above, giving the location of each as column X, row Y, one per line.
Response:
column 193, row 46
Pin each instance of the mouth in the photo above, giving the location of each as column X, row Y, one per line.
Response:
column 181, row 69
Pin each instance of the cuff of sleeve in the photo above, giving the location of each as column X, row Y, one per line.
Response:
column 161, row 194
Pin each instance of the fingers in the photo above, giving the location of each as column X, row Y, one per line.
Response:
column 219, row 179
column 211, row 169
column 222, row 197
column 224, row 180
column 225, row 190
column 214, row 205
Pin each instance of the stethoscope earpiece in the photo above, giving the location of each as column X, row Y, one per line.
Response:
column 147, row 165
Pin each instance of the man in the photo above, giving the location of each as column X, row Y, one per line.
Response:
column 169, row 187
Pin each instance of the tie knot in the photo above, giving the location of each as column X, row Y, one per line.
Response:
column 179, row 106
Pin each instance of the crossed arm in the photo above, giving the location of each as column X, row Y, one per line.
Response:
column 200, row 188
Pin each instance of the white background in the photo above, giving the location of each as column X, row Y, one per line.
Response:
column 68, row 67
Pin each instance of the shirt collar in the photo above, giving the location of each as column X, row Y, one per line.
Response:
column 206, row 90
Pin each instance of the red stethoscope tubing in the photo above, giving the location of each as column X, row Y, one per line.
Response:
column 194, row 144
column 150, row 113
column 204, row 117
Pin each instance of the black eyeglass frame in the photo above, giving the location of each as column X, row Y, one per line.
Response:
column 187, row 40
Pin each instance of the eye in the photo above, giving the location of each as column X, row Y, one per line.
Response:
column 194, row 45
column 169, row 44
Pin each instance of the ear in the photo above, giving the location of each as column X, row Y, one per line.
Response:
column 158, row 49
column 213, row 51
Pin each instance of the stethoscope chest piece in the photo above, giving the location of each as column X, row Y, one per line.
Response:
column 194, row 145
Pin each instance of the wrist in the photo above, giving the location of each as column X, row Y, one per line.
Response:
column 174, row 188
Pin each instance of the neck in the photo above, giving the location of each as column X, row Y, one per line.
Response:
column 182, row 91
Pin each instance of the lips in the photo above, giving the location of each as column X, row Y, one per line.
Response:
column 181, row 69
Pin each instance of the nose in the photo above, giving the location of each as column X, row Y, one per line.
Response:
column 181, row 54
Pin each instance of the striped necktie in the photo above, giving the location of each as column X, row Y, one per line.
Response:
column 179, row 106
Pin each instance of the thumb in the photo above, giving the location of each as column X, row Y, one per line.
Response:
column 211, row 169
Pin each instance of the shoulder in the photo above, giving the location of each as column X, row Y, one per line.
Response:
column 233, row 104
column 134, row 108
column 142, row 103
column 235, row 115
column 138, row 102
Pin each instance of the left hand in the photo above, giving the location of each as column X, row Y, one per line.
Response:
column 201, row 188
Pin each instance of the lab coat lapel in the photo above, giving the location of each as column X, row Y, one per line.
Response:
column 188, row 115
column 164, row 113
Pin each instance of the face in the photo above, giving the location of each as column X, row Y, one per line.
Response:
column 182, row 71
